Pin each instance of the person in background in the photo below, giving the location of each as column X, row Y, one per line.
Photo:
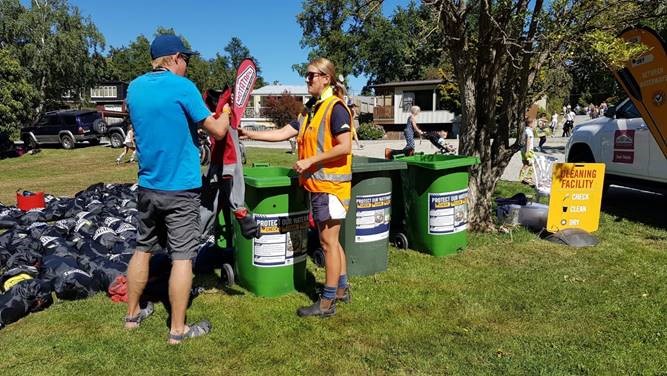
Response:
column 166, row 109
column 569, row 123
column 409, row 132
column 603, row 108
column 128, row 145
column 355, row 123
column 542, row 131
column 554, row 123
column 527, row 153
column 325, row 170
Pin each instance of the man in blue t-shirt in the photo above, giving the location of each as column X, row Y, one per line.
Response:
column 166, row 109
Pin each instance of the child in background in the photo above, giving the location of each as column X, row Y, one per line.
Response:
column 129, row 145
column 527, row 153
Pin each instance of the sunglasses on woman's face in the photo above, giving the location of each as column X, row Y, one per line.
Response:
column 311, row 75
column 186, row 58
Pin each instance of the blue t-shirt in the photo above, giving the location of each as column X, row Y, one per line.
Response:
column 165, row 110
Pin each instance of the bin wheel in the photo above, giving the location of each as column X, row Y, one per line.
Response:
column 401, row 241
column 318, row 257
column 227, row 275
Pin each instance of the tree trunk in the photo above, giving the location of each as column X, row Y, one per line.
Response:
column 480, row 196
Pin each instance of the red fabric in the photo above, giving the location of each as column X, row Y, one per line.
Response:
column 241, row 213
column 223, row 151
column 118, row 289
column 311, row 221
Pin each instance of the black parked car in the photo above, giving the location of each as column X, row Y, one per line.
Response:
column 65, row 127
column 116, row 132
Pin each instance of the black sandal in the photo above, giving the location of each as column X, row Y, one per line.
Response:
column 143, row 314
column 195, row 330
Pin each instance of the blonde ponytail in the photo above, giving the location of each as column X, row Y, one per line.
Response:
column 339, row 89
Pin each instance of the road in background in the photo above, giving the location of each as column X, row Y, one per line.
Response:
column 554, row 147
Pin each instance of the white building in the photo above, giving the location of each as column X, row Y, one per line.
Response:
column 254, row 113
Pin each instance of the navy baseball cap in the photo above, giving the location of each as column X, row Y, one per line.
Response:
column 167, row 44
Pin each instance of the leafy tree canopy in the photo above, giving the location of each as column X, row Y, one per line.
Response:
column 17, row 96
column 359, row 39
column 55, row 44
column 126, row 63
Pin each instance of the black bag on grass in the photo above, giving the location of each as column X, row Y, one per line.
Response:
column 69, row 281
column 36, row 229
column 126, row 231
column 106, row 236
column 9, row 217
column 6, row 239
column 103, row 270
column 85, row 227
column 15, row 275
column 32, row 216
column 57, row 246
column 4, row 256
column 25, row 297
column 24, row 257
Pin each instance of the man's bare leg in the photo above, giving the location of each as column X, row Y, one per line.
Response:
column 137, row 276
column 180, row 284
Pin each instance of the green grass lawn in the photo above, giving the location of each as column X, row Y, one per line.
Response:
column 509, row 304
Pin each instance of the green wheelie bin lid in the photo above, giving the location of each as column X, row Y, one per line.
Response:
column 439, row 161
column 368, row 164
column 269, row 177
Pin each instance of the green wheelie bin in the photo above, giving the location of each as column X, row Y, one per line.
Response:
column 435, row 190
column 274, row 264
column 365, row 232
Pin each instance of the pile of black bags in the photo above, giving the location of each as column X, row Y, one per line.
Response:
column 72, row 248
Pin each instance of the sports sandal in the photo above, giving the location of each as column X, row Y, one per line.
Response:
column 195, row 330
column 141, row 316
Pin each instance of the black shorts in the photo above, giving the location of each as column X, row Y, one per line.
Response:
column 168, row 220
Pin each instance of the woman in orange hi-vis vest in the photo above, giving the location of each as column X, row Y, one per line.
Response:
column 324, row 140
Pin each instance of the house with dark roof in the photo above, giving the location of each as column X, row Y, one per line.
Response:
column 109, row 98
column 393, row 101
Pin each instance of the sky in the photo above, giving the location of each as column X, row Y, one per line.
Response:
column 267, row 27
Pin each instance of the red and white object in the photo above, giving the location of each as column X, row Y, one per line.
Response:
column 30, row 200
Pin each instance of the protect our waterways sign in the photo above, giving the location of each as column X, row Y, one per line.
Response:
column 576, row 196
column 283, row 239
column 373, row 216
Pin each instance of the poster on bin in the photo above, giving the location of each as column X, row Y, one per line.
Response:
column 447, row 212
column 576, row 196
column 373, row 216
column 283, row 239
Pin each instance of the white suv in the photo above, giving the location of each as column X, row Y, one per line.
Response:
column 622, row 141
